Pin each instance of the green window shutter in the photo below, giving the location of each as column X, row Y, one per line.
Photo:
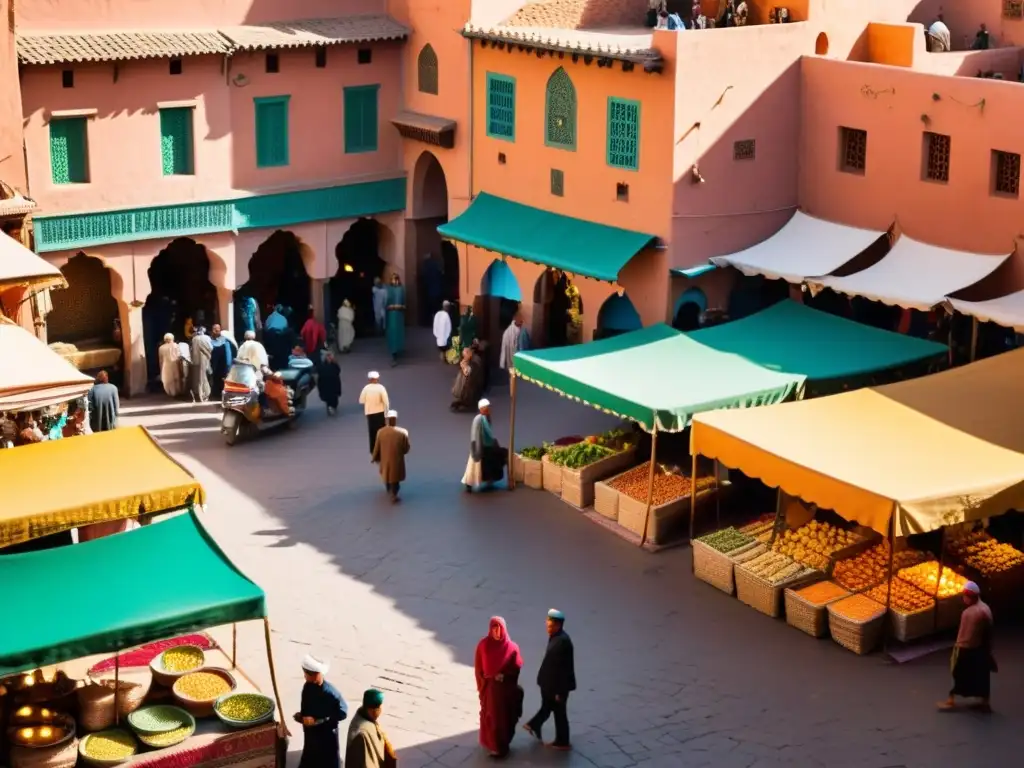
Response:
column 176, row 148
column 361, row 118
column 560, row 111
column 69, row 162
column 271, row 131
column 501, row 107
column 623, row 133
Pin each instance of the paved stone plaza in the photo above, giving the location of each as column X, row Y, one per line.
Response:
column 671, row 672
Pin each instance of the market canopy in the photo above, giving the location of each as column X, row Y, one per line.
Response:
column 934, row 451
column 572, row 245
column 655, row 375
column 57, row 485
column 19, row 267
column 806, row 246
column 33, row 376
column 113, row 593
column 792, row 338
column 1007, row 311
column 914, row 275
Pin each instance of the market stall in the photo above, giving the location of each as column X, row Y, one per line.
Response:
column 189, row 709
column 944, row 452
column 99, row 478
column 658, row 378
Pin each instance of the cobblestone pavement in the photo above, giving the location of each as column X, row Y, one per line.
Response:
column 671, row 672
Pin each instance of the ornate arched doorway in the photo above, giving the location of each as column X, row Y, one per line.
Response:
column 553, row 310
column 689, row 309
column 437, row 261
column 180, row 290
column 617, row 316
column 277, row 275
column 85, row 323
column 360, row 262
column 499, row 300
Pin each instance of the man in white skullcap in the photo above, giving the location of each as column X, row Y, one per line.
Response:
column 487, row 459
column 170, row 366
column 556, row 679
column 321, row 710
column 389, row 450
column 972, row 663
column 374, row 399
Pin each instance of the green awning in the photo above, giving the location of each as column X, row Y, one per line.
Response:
column 655, row 375
column 159, row 581
column 791, row 338
column 572, row 245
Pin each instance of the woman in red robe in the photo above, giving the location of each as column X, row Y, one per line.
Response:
column 497, row 666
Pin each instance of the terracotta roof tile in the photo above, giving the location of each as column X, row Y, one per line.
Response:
column 313, row 32
column 579, row 14
column 632, row 43
column 61, row 47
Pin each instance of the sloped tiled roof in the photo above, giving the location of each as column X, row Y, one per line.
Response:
column 631, row 43
column 579, row 14
column 61, row 47
column 313, row 32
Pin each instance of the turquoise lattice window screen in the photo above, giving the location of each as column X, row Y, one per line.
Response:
column 501, row 107
column 176, row 146
column 560, row 111
column 361, row 118
column 271, row 131
column 623, row 133
column 69, row 153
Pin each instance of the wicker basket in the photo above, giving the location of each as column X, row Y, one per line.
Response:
column 713, row 567
column 911, row 626
column 63, row 755
column 203, row 708
column 806, row 616
column 551, row 476
column 606, row 500
column 858, row 636
column 765, row 597
column 96, row 707
column 578, row 484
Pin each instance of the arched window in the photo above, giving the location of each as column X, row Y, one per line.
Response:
column 560, row 111
column 427, row 67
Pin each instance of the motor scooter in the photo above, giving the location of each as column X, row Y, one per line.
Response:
column 246, row 410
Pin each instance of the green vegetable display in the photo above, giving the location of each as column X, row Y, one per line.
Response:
column 579, row 455
column 726, row 540
column 534, row 453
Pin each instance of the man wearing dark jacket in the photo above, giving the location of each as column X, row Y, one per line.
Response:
column 556, row 678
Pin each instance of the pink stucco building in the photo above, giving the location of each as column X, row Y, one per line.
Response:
column 294, row 151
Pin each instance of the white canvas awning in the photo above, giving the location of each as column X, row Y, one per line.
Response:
column 33, row 375
column 804, row 247
column 20, row 267
column 914, row 275
column 1007, row 310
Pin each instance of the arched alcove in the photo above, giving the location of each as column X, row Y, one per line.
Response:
column 688, row 310
column 500, row 298
column 361, row 260
column 551, row 305
column 277, row 275
column 821, row 44
column 427, row 70
column 617, row 316
column 499, row 282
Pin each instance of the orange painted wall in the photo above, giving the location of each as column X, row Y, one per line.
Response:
column 892, row 44
column 12, row 154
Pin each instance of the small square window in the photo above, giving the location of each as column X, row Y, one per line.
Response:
column 936, row 157
column 67, row 78
column 1013, row 9
column 743, row 150
column 853, row 149
column 321, row 57
column 1005, row 173
column 273, row 63
column 175, row 66
column 501, row 158
column 622, row 193
column 557, row 183
column 364, row 56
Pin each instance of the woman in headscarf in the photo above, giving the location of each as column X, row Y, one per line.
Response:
column 346, row 326
column 170, row 366
column 468, row 381
column 497, row 665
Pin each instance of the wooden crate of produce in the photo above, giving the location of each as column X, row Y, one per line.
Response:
column 808, row 611
column 763, row 596
column 860, row 635
column 578, row 484
column 606, row 500
column 907, row 626
column 666, row 519
column 529, row 472
column 551, row 476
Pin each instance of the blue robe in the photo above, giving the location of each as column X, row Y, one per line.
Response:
column 220, row 363
column 275, row 322
column 325, row 704
column 396, row 319
column 250, row 314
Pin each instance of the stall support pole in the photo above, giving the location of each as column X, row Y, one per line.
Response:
column 938, row 579
column 888, row 585
column 778, row 515
column 117, row 686
column 718, row 497
column 974, row 338
column 234, row 645
column 273, row 676
column 512, row 434
column 650, row 481
column 693, row 504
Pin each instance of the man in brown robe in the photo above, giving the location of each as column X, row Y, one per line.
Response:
column 389, row 451
column 368, row 745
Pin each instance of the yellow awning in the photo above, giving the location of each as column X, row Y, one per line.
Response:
column 61, row 484
column 937, row 450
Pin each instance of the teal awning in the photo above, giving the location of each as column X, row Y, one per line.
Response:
column 566, row 243
column 791, row 338
column 159, row 581
column 692, row 272
column 655, row 375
